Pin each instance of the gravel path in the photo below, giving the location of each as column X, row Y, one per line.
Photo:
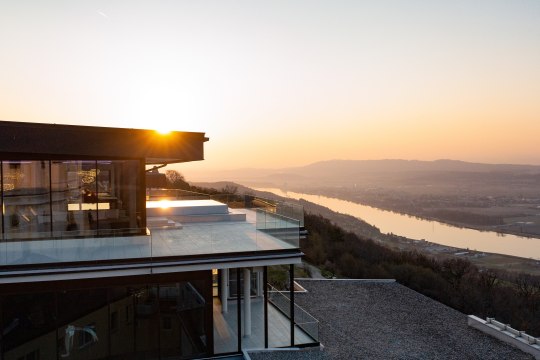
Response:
column 371, row 320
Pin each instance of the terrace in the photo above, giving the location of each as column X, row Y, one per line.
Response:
column 180, row 224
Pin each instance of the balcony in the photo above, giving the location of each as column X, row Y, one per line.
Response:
column 306, row 327
column 180, row 225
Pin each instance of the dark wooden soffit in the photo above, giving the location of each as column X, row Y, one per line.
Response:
column 19, row 139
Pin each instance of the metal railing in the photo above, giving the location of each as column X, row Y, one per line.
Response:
column 531, row 340
column 302, row 319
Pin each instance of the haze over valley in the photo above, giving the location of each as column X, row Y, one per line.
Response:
column 500, row 197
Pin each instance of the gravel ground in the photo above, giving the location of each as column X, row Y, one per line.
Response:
column 370, row 320
column 290, row 355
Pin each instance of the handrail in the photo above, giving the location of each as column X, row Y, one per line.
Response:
column 72, row 234
column 310, row 325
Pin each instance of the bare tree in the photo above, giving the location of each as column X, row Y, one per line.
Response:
column 175, row 180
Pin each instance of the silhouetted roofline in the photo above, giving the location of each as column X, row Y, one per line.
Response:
column 37, row 140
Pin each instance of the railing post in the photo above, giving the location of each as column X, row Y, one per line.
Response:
column 291, row 297
column 238, row 309
column 265, row 284
column 224, row 290
column 247, row 302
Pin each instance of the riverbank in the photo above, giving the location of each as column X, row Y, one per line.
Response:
column 483, row 260
column 515, row 228
column 416, row 228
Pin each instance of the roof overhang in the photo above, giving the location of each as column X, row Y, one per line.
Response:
column 14, row 278
column 20, row 140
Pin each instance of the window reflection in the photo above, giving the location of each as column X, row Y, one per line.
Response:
column 26, row 210
column 182, row 312
column 66, row 198
column 168, row 320
column 29, row 327
column 84, row 327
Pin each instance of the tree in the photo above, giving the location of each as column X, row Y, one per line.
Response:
column 229, row 189
column 175, row 180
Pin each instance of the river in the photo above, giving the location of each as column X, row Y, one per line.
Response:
column 419, row 229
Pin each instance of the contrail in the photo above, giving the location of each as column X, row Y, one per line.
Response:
column 102, row 14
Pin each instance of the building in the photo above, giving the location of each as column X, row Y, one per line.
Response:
column 94, row 266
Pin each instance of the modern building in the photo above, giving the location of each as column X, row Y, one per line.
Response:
column 95, row 266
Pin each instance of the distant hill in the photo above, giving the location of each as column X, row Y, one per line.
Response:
column 344, row 167
column 352, row 171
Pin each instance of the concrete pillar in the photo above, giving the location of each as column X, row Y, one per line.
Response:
column 247, row 302
column 224, row 290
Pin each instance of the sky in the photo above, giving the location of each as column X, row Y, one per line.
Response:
column 285, row 83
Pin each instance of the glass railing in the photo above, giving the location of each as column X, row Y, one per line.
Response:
column 215, row 238
column 267, row 229
column 302, row 319
column 307, row 323
column 234, row 201
column 271, row 232
column 75, row 246
column 177, row 194
column 281, row 227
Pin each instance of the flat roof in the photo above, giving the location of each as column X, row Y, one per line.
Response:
column 362, row 319
column 23, row 140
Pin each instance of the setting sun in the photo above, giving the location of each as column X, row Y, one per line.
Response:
column 163, row 131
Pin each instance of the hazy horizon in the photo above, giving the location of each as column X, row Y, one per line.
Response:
column 285, row 83
column 206, row 174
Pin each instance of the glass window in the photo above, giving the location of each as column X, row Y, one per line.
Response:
column 29, row 326
column 183, row 314
column 279, row 306
column 26, row 199
column 117, row 196
column 121, row 302
column 123, row 322
column 147, row 322
column 225, row 313
column 252, row 307
column 85, row 327
column 74, row 198
column 61, row 193
column 71, row 198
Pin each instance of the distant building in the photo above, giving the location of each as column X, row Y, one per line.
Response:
column 94, row 266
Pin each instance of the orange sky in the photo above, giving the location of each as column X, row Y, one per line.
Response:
column 285, row 83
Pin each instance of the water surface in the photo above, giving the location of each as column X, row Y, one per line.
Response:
column 419, row 229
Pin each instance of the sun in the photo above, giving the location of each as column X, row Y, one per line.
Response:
column 163, row 130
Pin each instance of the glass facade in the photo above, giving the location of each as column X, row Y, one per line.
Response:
column 142, row 321
column 63, row 198
column 26, row 198
column 254, row 315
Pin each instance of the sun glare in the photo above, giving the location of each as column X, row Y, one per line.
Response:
column 164, row 204
column 163, row 130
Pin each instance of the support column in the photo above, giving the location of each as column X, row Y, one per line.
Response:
column 265, row 282
column 224, row 290
column 247, row 302
column 238, row 309
column 260, row 284
column 291, row 292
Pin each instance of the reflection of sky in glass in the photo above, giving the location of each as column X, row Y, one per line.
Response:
column 414, row 228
